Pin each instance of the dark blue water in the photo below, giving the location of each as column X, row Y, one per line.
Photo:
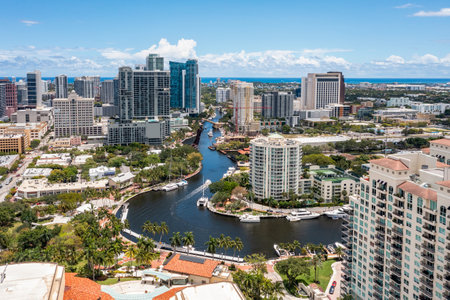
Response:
column 298, row 80
column 178, row 208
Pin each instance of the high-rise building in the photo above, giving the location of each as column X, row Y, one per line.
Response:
column 61, row 84
column 277, row 105
column 154, row 62
column 242, row 94
column 222, row 95
column 275, row 166
column 116, row 92
column 143, row 94
column 144, row 103
column 34, row 88
column 87, row 86
column 74, row 115
column 321, row 89
column 398, row 236
column 8, row 97
column 107, row 91
column 22, row 92
column 185, row 86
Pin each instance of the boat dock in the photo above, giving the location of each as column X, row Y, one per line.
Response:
column 191, row 251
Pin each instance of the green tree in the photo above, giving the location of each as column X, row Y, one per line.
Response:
column 188, row 239
column 211, row 244
column 316, row 263
column 34, row 144
column 318, row 159
column 175, row 240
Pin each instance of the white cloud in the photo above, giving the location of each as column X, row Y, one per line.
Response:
column 425, row 59
column 407, row 5
column 321, row 51
column 395, row 59
column 29, row 22
column 443, row 12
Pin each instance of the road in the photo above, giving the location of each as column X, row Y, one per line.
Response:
column 4, row 190
column 337, row 275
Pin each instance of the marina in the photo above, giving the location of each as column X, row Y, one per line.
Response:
column 178, row 208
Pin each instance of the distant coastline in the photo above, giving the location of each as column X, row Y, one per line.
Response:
column 298, row 80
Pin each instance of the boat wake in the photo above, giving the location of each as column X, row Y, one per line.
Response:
column 197, row 190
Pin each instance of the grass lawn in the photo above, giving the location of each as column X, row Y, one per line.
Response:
column 115, row 280
column 323, row 274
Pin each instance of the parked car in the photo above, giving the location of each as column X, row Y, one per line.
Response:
column 334, row 283
column 331, row 290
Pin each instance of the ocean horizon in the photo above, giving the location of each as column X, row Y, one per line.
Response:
column 298, row 80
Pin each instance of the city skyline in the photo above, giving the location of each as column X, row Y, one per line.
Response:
column 351, row 37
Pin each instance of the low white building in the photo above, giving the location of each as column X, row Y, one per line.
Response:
column 36, row 172
column 430, row 108
column 62, row 159
column 398, row 101
column 35, row 188
column 6, row 161
column 81, row 159
column 100, row 172
column 122, row 180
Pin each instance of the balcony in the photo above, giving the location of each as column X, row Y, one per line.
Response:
column 397, row 221
column 396, row 247
column 396, row 280
column 381, row 213
column 396, row 271
column 427, row 274
column 425, row 291
column 378, row 282
column 381, row 205
column 446, row 286
column 379, row 266
column 428, row 257
column 399, row 204
column 379, row 258
column 427, row 265
column 427, row 282
column 428, row 247
column 397, row 239
column 379, row 244
column 395, row 290
column 396, row 263
column 430, row 237
column 397, row 254
column 398, row 213
column 429, row 218
column 378, row 295
column 380, row 228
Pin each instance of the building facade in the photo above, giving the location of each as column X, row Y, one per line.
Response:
column 107, row 92
column 441, row 150
column 277, row 105
column 185, row 86
column 16, row 143
column 321, row 89
column 222, row 94
column 75, row 116
column 242, row 94
column 8, row 97
column 154, row 62
column 398, row 237
column 34, row 88
column 275, row 167
column 87, row 86
column 61, row 85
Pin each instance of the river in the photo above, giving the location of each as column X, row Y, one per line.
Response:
column 178, row 209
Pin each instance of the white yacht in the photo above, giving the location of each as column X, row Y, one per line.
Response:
column 336, row 214
column 170, row 187
column 210, row 133
column 182, row 183
column 301, row 214
column 249, row 219
column 203, row 200
column 230, row 172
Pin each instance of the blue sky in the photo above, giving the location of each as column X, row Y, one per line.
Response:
column 229, row 38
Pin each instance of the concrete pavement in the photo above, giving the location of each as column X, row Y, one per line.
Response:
column 337, row 273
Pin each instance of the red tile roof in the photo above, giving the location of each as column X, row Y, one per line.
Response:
column 204, row 269
column 78, row 288
column 390, row 163
column 445, row 183
column 167, row 295
column 441, row 165
column 445, row 142
column 417, row 190
column 426, row 150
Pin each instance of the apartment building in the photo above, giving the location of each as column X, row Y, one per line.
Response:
column 75, row 116
column 331, row 184
column 398, row 236
column 222, row 95
column 322, row 89
column 275, row 166
column 441, row 149
column 17, row 143
column 242, row 96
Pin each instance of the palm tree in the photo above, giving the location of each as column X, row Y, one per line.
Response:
column 131, row 253
column 316, row 262
column 296, row 245
column 164, row 229
column 149, row 227
column 175, row 240
column 339, row 251
column 188, row 239
column 212, row 245
column 238, row 244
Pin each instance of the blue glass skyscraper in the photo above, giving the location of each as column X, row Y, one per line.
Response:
column 185, row 86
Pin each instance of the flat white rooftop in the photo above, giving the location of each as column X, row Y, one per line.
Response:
column 216, row 291
column 32, row 281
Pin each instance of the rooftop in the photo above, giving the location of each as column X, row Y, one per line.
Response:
column 419, row 191
column 445, row 183
column 191, row 265
column 123, row 177
column 390, row 163
column 31, row 281
column 217, row 291
column 444, row 142
column 77, row 288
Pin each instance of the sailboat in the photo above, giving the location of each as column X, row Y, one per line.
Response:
column 203, row 200
column 210, row 133
column 170, row 186
column 182, row 182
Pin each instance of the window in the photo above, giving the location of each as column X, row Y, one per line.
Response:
column 442, row 214
column 433, row 205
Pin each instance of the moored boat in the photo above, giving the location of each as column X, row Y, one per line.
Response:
column 249, row 219
column 301, row 214
column 170, row 187
column 336, row 214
